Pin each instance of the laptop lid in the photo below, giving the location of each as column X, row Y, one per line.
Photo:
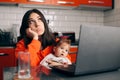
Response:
column 98, row 49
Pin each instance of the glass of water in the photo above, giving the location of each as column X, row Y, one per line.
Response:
column 23, row 65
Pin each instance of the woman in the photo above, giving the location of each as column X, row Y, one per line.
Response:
column 35, row 37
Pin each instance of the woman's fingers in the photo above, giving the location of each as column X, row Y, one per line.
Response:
column 31, row 33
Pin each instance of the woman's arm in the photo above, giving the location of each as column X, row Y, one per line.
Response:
column 33, row 49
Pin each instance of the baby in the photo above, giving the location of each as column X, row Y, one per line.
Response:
column 58, row 58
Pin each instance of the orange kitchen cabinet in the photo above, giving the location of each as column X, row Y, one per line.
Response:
column 96, row 2
column 41, row 2
column 9, row 1
column 73, row 57
column 7, row 59
column 65, row 2
column 73, row 54
column 52, row 2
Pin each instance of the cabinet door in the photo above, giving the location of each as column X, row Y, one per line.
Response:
column 9, row 1
column 44, row 2
column 8, row 58
column 96, row 2
column 66, row 2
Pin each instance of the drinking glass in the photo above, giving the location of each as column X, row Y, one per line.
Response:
column 24, row 65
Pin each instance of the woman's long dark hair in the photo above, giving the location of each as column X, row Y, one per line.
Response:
column 46, row 39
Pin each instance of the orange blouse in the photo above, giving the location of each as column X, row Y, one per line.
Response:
column 36, row 55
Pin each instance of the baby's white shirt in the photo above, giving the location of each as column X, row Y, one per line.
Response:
column 54, row 58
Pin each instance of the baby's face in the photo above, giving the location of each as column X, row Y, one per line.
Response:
column 62, row 50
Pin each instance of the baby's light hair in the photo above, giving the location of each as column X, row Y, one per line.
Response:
column 63, row 40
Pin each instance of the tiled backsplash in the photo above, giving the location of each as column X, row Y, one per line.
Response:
column 59, row 20
column 63, row 20
column 112, row 17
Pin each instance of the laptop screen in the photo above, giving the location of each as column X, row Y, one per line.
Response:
column 98, row 49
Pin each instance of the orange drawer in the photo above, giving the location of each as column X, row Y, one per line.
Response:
column 73, row 51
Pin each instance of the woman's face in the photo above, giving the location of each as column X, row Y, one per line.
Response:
column 36, row 24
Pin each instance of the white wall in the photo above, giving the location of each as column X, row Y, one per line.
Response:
column 60, row 20
column 112, row 17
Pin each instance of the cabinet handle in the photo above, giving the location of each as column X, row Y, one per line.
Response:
column 3, row 54
column 65, row 2
column 37, row 0
column 96, row 2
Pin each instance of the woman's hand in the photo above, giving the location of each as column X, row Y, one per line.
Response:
column 32, row 34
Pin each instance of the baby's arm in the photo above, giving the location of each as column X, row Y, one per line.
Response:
column 44, row 61
column 53, row 63
column 60, row 62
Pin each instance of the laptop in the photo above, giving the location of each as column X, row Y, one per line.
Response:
column 98, row 51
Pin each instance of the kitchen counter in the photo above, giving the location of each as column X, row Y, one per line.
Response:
column 74, row 44
column 6, row 47
column 45, row 74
